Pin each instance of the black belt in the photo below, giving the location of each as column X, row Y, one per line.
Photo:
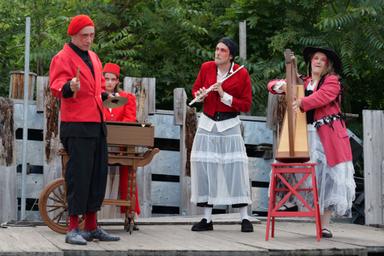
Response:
column 220, row 116
column 328, row 120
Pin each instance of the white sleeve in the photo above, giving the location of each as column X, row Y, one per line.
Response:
column 278, row 86
column 227, row 99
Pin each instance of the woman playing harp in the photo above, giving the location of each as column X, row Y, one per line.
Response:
column 327, row 134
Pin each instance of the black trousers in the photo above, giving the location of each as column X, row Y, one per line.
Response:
column 86, row 173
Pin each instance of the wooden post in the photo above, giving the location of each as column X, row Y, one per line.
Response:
column 8, row 193
column 373, row 123
column 16, row 85
column 144, row 184
column 243, row 39
column 41, row 84
column 145, row 92
column 180, row 108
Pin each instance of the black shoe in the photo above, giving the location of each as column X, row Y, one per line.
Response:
column 326, row 233
column 202, row 226
column 246, row 226
column 135, row 227
column 74, row 237
column 99, row 234
column 285, row 208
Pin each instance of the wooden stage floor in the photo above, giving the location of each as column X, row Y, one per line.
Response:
column 172, row 236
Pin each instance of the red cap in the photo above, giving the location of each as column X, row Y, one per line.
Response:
column 112, row 68
column 78, row 23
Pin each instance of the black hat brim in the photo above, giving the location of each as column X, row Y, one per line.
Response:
column 332, row 55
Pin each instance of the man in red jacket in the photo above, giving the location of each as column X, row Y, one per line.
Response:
column 76, row 79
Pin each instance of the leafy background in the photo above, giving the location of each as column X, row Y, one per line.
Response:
column 169, row 39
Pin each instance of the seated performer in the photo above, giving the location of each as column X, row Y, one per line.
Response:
column 82, row 129
column 328, row 138
column 219, row 162
column 126, row 113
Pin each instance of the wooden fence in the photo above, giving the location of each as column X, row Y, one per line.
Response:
column 163, row 184
column 373, row 123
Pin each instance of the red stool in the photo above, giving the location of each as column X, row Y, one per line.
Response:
column 308, row 170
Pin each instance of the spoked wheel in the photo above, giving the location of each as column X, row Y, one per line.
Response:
column 53, row 206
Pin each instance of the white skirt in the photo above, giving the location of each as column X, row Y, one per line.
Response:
column 219, row 168
column 336, row 185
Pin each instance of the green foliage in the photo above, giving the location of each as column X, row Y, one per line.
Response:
column 169, row 39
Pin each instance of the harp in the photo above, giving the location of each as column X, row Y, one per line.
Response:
column 293, row 141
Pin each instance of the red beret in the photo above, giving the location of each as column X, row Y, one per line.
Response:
column 112, row 68
column 78, row 23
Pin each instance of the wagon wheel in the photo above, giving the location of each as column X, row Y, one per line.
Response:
column 53, row 206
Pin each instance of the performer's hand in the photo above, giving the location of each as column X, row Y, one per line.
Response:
column 218, row 88
column 75, row 85
column 296, row 105
column 201, row 93
column 113, row 94
column 281, row 87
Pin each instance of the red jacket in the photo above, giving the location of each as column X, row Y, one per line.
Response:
column 126, row 113
column 335, row 141
column 239, row 86
column 87, row 106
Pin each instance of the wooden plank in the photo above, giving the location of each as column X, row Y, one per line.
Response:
column 259, row 199
column 172, row 236
column 144, row 183
column 8, row 194
column 165, row 193
column 373, row 122
column 256, row 132
column 145, row 91
column 35, row 152
column 41, row 84
column 164, row 126
column 16, row 86
column 34, row 184
column 35, row 120
column 243, row 39
column 167, row 162
column 179, row 105
column 180, row 108
column 26, row 241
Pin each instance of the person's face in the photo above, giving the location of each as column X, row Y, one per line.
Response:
column 111, row 81
column 84, row 38
column 319, row 63
column 222, row 54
